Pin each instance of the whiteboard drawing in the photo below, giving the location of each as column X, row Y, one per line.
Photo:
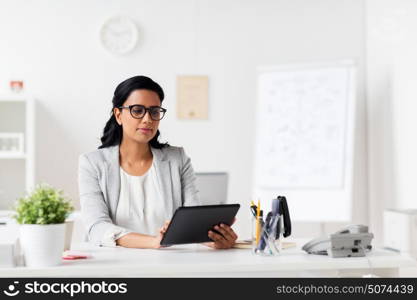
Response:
column 303, row 120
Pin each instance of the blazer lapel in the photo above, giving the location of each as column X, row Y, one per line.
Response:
column 163, row 174
column 113, row 179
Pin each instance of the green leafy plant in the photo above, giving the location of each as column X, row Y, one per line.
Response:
column 44, row 205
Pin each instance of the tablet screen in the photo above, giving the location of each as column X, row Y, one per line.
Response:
column 191, row 224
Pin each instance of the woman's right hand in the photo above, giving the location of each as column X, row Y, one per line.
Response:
column 160, row 235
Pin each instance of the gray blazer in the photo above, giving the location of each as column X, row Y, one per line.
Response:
column 99, row 185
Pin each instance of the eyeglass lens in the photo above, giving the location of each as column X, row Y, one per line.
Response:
column 138, row 111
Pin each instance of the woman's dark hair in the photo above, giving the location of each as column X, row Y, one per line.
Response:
column 113, row 132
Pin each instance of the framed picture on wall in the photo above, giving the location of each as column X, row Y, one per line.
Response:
column 192, row 97
column 11, row 144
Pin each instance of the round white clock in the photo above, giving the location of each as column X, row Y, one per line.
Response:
column 119, row 35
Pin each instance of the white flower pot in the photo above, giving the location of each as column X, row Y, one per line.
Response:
column 42, row 245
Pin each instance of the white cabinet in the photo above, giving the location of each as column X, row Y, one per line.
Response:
column 17, row 147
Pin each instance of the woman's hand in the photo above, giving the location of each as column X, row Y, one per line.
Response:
column 158, row 238
column 225, row 240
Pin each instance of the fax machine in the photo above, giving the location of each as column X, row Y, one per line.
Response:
column 351, row 241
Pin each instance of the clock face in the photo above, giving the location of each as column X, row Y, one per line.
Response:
column 119, row 35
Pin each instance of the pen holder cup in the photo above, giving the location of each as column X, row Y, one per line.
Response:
column 266, row 235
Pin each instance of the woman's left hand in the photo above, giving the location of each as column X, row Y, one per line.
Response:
column 225, row 240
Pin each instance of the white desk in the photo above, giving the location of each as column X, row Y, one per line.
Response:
column 201, row 261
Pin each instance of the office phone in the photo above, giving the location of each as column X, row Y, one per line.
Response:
column 351, row 241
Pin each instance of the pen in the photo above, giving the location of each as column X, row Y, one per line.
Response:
column 276, row 212
column 265, row 231
column 253, row 208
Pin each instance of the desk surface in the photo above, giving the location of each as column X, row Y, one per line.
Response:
column 200, row 261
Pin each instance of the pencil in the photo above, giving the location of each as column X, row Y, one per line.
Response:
column 258, row 213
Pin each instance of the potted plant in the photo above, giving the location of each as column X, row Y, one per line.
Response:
column 42, row 215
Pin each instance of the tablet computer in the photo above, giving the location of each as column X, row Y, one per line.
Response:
column 191, row 224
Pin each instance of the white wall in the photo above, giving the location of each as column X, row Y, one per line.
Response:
column 391, row 91
column 53, row 46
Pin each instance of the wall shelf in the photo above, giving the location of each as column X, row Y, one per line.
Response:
column 17, row 170
column 12, row 156
column 18, row 97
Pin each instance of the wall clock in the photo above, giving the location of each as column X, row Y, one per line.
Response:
column 119, row 35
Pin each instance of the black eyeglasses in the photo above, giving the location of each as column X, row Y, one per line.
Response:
column 138, row 111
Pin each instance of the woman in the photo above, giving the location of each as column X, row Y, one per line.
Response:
column 133, row 183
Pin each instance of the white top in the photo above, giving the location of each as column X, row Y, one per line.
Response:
column 141, row 207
